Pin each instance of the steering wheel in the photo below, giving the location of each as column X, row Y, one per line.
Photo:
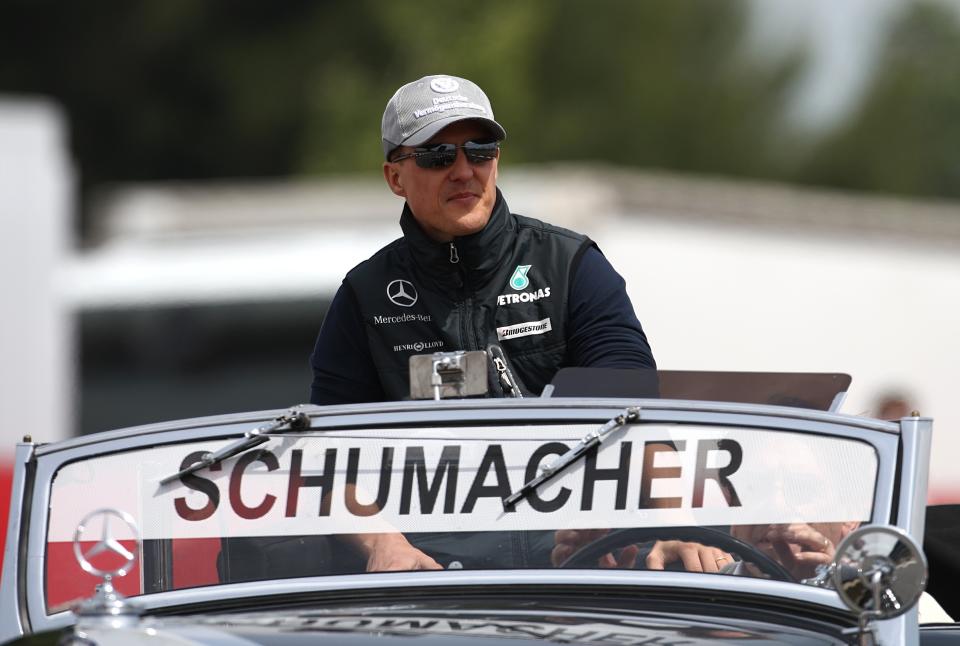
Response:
column 589, row 553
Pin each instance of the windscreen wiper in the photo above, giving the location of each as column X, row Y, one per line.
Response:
column 574, row 453
column 294, row 420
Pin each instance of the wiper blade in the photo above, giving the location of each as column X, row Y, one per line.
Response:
column 294, row 420
column 560, row 464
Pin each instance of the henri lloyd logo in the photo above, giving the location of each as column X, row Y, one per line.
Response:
column 418, row 346
column 402, row 293
column 524, row 329
column 519, row 279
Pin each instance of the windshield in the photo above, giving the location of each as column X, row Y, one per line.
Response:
column 751, row 501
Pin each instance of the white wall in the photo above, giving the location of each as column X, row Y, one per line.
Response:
column 35, row 343
column 728, row 298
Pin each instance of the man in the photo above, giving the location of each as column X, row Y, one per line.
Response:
column 799, row 547
column 467, row 272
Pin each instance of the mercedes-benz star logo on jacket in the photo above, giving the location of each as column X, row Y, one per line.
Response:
column 402, row 292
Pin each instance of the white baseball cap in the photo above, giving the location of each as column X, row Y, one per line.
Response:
column 421, row 109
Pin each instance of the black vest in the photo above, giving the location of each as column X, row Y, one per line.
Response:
column 507, row 284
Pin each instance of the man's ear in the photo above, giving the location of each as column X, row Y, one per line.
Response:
column 392, row 176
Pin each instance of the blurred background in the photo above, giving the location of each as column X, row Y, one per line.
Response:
column 183, row 185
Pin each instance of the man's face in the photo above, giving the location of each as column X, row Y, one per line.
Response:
column 447, row 202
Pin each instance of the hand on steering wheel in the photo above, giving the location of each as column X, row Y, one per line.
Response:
column 606, row 543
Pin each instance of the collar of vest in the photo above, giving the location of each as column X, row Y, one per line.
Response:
column 480, row 254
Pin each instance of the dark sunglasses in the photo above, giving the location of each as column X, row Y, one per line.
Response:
column 443, row 155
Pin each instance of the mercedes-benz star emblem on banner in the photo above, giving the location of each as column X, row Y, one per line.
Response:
column 402, row 292
column 102, row 520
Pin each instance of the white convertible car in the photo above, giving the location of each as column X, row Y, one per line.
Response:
column 547, row 519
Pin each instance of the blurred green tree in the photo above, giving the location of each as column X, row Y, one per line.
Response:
column 904, row 137
column 655, row 84
column 164, row 90
column 661, row 85
column 190, row 90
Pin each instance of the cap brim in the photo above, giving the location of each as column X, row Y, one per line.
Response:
column 426, row 133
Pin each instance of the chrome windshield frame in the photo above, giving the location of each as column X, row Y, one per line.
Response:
column 884, row 437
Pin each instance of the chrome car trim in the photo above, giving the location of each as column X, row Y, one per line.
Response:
column 462, row 412
column 13, row 615
column 916, row 437
column 462, row 578
column 609, row 406
column 597, row 409
column 903, row 630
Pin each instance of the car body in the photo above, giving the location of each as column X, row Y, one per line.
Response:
column 255, row 547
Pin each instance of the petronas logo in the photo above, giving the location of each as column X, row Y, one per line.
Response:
column 519, row 279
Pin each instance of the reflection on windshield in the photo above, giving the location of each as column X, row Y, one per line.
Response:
column 738, row 501
column 801, row 548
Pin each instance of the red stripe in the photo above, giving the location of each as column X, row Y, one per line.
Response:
column 194, row 564
column 6, row 482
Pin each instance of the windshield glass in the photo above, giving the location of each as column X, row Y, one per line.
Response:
column 725, row 500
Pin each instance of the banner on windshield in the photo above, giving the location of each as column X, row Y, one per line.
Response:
column 454, row 480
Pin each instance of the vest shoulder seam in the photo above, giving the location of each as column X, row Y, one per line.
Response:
column 525, row 222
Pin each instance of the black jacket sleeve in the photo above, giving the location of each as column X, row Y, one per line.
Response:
column 343, row 370
column 603, row 330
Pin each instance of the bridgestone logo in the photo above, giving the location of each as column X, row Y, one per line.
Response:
column 524, row 329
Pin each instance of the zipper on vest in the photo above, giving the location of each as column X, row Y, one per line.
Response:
column 465, row 306
column 454, row 256
column 504, row 375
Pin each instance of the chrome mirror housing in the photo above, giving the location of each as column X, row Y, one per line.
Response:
column 879, row 570
column 879, row 573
